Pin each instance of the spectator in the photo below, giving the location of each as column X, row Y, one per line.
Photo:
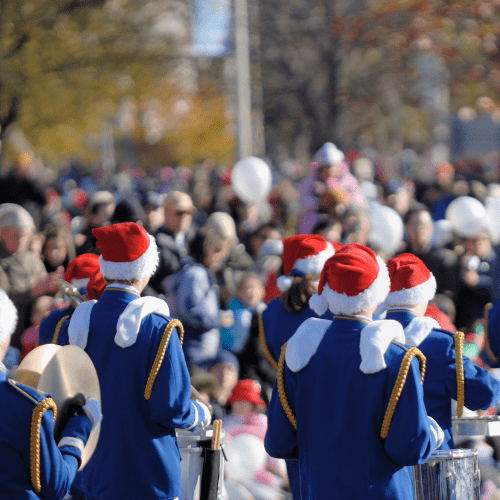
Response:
column 174, row 237
column 152, row 204
column 57, row 249
column 29, row 338
column 26, row 274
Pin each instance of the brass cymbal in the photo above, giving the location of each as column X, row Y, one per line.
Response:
column 67, row 374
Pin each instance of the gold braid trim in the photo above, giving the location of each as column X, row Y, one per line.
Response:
column 487, row 345
column 58, row 329
column 162, row 349
column 263, row 343
column 398, row 386
column 281, row 388
column 36, row 422
column 459, row 349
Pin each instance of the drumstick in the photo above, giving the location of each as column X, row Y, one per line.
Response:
column 217, row 427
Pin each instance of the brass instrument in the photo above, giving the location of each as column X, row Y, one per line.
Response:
column 69, row 293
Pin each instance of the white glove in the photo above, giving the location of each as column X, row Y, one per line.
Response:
column 92, row 409
column 207, row 417
column 437, row 431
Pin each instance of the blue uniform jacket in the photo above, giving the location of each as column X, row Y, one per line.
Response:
column 137, row 455
column 491, row 353
column 481, row 390
column 49, row 324
column 339, row 412
column 58, row 466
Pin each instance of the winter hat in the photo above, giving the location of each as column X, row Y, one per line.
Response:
column 96, row 286
column 303, row 254
column 328, row 154
column 8, row 317
column 80, row 269
column 411, row 282
column 127, row 251
column 247, row 390
column 354, row 279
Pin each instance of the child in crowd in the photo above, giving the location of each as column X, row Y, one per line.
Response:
column 29, row 338
column 248, row 301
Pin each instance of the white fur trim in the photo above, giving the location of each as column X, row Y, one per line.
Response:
column 129, row 322
column 341, row 303
column 81, row 283
column 413, row 296
column 78, row 328
column 305, row 342
column 418, row 328
column 143, row 267
column 8, row 315
column 71, row 441
column 314, row 265
column 284, row 283
column 375, row 340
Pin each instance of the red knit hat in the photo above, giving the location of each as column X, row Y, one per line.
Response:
column 303, row 254
column 247, row 390
column 411, row 282
column 354, row 279
column 80, row 269
column 96, row 286
column 127, row 251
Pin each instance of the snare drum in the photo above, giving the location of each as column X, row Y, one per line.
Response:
column 448, row 475
column 192, row 446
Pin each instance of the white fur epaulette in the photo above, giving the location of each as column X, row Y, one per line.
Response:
column 128, row 324
column 418, row 328
column 374, row 342
column 304, row 343
column 78, row 328
column 130, row 319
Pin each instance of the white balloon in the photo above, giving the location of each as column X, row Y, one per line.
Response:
column 386, row 228
column 245, row 456
column 251, row 179
column 467, row 216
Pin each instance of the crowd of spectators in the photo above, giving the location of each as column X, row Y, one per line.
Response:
column 220, row 257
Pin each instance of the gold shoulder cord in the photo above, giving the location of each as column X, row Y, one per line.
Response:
column 281, row 388
column 398, row 386
column 162, row 349
column 58, row 329
column 459, row 349
column 263, row 343
column 487, row 345
column 36, row 422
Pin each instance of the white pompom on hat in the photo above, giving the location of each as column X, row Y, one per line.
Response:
column 128, row 252
column 411, row 281
column 303, row 254
column 353, row 280
column 8, row 317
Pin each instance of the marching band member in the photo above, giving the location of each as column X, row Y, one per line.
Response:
column 303, row 258
column 334, row 387
column 33, row 466
column 145, row 385
column 449, row 373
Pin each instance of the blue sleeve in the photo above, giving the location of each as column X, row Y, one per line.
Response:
column 491, row 352
column 58, row 466
column 481, row 389
column 281, row 436
column 170, row 402
column 197, row 302
column 410, row 439
column 48, row 325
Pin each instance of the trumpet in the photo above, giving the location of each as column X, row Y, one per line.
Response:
column 69, row 293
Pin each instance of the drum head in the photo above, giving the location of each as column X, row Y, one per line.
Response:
column 67, row 374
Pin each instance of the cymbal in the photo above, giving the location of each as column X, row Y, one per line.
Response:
column 67, row 374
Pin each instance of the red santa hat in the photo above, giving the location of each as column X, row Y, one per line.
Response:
column 411, row 282
column 8, row 317
column 354, row 279
column 96, row 286
column 80, row 269
column 303, row 254
column 127, row 251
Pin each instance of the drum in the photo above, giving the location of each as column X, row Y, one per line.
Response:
column 448, row 475
column 193, row 446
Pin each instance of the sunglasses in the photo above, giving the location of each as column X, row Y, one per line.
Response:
column 181, row 213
